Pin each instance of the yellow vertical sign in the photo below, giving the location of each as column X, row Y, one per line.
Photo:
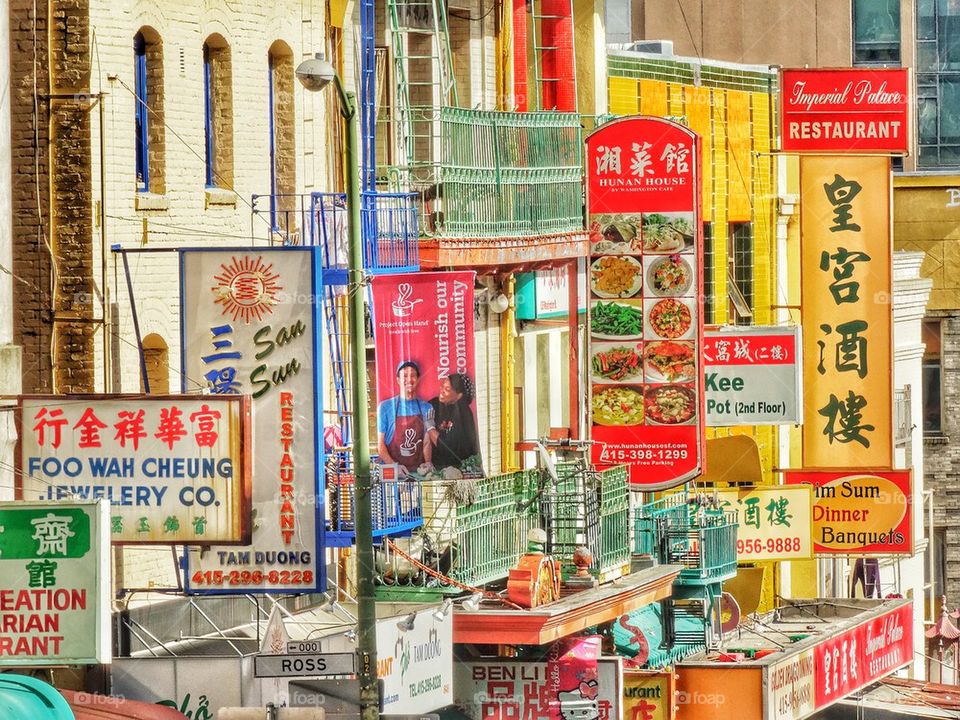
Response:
column 648, row 695
column 847, row 311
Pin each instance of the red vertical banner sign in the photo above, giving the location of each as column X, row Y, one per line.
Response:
column 572, row 684
column 426, row 391
column 646, row 300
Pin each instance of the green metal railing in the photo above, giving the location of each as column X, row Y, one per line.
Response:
column 498, row 174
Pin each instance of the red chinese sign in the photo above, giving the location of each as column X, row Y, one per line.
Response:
column 855, row 658
column 859, row 512
column 743, row 350
column 174, row 469
column 845, row 110
column 646, row 286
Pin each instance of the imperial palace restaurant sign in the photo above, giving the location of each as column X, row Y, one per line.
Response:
column 845, row 110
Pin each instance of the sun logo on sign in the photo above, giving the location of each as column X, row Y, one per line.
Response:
column 247, row 288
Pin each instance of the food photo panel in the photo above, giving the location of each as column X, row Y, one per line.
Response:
column 672, row 275
column 616, row 319
column 616, row 276
column 669, row 361
column 618, row 405
column 668, row 232
column 669, row 319
column 616, row 362
column 670, row 405
column 615, row 234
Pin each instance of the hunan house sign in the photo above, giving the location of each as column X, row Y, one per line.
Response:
column 646, row 289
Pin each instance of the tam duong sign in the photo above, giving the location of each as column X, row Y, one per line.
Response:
column 250, row 324
column 855, row 110
column 55, row 594
column 174, row 469
column 752, row 376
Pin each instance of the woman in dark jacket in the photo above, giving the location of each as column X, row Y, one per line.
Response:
column 455, row 435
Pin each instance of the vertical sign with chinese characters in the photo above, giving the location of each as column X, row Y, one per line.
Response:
column 847, row 312
column 249, row 322
column 55, row 595
column 646, row 319
column 174, row 469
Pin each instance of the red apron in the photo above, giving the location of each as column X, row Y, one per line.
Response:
column 406, row 446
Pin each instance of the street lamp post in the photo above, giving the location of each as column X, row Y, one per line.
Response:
column 315, row 74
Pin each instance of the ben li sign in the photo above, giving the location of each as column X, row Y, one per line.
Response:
column 845, row 110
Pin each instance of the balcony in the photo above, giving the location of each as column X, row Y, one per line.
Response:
column 496, row 187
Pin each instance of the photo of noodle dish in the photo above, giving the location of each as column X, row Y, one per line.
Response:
column 669, row 361
column 668, row 232
column 615, row 235
column 668, row 319
column 616, row 276
column 669, row 275
column 669, row 404
column 618, row 405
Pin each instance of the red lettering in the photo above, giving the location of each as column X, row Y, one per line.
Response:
column 286, row 399
column 286, row 521
column 286, row 491
column 286, row 413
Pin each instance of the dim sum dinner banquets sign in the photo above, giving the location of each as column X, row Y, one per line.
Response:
column 174, row 469
column 646, row 289
column 250, row 324
column 845, row 110
column 55, row 594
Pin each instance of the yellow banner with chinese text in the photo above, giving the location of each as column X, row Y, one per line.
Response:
column 845, row 259
column 775, row 522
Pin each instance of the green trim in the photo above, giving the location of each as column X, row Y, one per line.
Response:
column 691, row 73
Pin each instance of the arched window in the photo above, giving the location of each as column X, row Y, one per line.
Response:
column 156, row 358
column 218, row 112
column 283, row 161
column 148, row 111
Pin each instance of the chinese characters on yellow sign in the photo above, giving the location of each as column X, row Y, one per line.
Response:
column 774, row 523
column 846, row 286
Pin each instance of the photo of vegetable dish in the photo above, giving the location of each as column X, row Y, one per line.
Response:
column 615, row 234
column 616, row 276
column 669, row 276
column 669, row 361
column 670, row 404
column 615, row 320
column 667, row 232
column 617, row 363
column 670, row 319
column 618, row 405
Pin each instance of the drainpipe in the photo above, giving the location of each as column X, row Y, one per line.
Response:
column 507, row 366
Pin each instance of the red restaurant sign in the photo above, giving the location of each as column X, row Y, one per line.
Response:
column 646, row 285
column 845, row 110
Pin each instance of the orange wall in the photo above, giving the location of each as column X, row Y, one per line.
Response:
column 719, row 692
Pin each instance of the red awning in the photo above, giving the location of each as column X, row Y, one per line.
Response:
column 90, row 706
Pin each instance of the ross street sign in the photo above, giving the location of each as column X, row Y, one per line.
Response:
column 304, row 665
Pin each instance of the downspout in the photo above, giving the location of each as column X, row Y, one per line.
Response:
column 507, row 368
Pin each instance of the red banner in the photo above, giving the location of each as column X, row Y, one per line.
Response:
column 733, row 349
column 423, row 331
column 646, row 289
column 853, row 659
column 845, row 110
column 572, row 684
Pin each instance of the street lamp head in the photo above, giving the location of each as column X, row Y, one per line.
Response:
column 316, row 73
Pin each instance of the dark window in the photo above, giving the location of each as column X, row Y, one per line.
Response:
column 140, row 86
column 208, row 133
column 273, row 145
column 938, row 83
column 932, row 378
column 740, row 273
column 709, row 287
column 876, row 32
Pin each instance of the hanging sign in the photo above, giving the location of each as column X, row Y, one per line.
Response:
column 174, row 469
column 835, row 110
column 426, row 374
column 773, row 522
column 646, row 289
column 859, row 512
column 649, row 695
column 250, row 324
column 55, row 598
column 752, row 376
column 845, row 259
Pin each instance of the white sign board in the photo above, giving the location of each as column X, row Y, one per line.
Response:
column 304, row 665
column 544, row 294
column 55, row 594
column 752, row 376
column 250, row 322
column 416, row 665
column 172, row 468
column 518, row 688
column 790, row 691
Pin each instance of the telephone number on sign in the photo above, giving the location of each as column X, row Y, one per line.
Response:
column 769, row 545
column 642, row 454
column 252, row 577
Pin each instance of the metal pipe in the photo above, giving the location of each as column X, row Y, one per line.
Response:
column 104, row 290
column 136, row 322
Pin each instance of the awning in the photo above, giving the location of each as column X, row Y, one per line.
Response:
column 479, row 252
column 26, row 697
column 733, row 459
column 90, row 706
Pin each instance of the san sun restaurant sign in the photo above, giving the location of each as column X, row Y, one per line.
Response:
column 845, row 256
column 646, row 321
column 55, row 596
column 845, row 110
column 836, row 666
column 250, row 322
column 174, row 469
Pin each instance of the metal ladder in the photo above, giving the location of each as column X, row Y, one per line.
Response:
column 424, row 76
column 551, row 67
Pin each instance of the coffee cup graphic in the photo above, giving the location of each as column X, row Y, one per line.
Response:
column 403, row 305
column 408, row 448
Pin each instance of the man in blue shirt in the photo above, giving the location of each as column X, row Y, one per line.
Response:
column 404, row 423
